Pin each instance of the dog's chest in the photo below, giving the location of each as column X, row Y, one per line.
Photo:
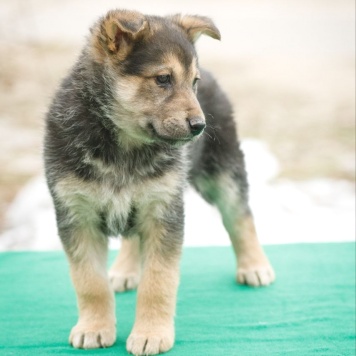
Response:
column 118, row 208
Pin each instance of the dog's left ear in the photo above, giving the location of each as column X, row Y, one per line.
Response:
column 195, row 26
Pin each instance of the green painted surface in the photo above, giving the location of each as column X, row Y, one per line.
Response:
column 310, row 310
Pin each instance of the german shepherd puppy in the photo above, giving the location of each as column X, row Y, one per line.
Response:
column 124, row 135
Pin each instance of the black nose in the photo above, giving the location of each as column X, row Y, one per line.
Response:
column 197, row 125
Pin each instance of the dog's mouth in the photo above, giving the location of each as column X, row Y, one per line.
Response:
column 167, row 139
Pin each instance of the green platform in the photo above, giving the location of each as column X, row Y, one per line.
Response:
column 310, row 310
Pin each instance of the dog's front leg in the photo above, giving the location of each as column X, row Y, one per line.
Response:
column 87, row 252
column 125, row 272
column 153, row 331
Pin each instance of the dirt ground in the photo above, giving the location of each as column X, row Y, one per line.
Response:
column 302, row 105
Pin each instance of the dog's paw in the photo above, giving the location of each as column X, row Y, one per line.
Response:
column 256, row 276
column 86, row 336
column 121, row 281
column 150, row 342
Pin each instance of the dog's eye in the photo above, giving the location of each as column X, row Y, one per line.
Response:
column 163, row 79
column 195, row 81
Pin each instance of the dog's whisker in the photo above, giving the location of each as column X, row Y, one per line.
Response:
column 208, row 135
column 214, row 133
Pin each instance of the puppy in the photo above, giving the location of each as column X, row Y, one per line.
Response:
column 124, row 135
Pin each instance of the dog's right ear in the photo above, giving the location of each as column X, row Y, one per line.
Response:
column 114, row 35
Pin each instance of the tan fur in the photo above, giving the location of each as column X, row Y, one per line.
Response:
column 96, row 304
column 129, row 108
column 253, row 266
column 153, row 331
column 195, row 26
column 96, row 324
column 84, row 198
column 170, row 122
column 113, row 38
column 139, row 102
column 174, row 66
column 125, row 272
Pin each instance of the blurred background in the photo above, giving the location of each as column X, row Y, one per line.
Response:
column 287, row 66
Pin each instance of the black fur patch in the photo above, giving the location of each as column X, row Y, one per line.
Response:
column 168, row 40
column 130, row 223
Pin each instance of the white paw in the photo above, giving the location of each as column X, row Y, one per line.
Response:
column 122, row 282
column 86, row 336
column 256, row 276
column 150, row 343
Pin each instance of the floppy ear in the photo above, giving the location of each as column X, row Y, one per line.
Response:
column 115, row 34
column 195, row 26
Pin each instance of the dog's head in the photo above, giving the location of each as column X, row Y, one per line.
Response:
column 154, row 67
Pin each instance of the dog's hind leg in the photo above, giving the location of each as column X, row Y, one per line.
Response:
column 218, row 173
column 86, row 250
column 125, row 272
column 226, row 187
